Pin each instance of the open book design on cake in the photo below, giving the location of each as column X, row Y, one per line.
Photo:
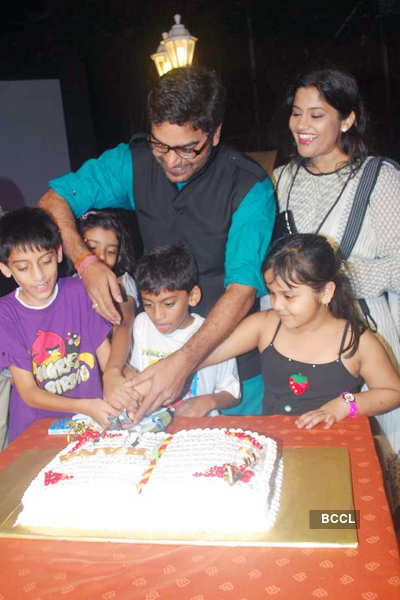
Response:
column 221, row 484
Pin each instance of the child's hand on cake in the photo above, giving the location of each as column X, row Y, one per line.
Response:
column 329, row 413
column 99, row 410
column 114, row 392
column 129, row 372
column 132, row 408
column 137, row 394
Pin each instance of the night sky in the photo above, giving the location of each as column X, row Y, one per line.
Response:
column 100, row 52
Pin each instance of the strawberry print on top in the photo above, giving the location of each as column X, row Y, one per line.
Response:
column 298, row 383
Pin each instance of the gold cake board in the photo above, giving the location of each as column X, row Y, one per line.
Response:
column 316, row 478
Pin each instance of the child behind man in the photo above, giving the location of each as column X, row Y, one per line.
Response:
column 167, row 280
column 108, row 239
column 50, row 337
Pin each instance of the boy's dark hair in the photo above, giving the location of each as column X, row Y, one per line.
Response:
column 309, row 259
column 109, row 219
column 188, row 95
column 28, row 229
column 170, row 268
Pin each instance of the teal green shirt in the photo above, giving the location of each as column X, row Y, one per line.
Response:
column 108, row 182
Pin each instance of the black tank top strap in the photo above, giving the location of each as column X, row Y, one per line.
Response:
column 276, row 332
column 342, row 343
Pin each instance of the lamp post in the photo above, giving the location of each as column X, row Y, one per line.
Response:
column 161, row 58
column 176, row 48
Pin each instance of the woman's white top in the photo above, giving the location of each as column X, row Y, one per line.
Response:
column 375, row 258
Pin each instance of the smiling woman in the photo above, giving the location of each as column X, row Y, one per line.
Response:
column 318, row 189
column 316, row 127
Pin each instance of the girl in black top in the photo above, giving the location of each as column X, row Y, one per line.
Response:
column 315, row 349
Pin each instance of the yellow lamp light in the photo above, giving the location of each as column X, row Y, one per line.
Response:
column 176, row 48
column 161, row 59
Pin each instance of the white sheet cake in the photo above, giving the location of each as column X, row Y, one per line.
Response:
column 195, row 484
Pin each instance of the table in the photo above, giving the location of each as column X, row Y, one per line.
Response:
column 46, row 570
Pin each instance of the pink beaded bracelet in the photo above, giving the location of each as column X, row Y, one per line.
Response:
column 88, row 260
column 350, row 399
column 353, row 410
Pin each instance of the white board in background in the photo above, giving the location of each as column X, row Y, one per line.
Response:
column 33, row 140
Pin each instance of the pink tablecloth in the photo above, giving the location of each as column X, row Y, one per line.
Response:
column 44, row 570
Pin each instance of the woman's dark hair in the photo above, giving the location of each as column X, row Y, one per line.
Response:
column 170, row 268
column 340, row 90
column 110, row 220
column 188, row 95
column 28, row 229
column 309, row 259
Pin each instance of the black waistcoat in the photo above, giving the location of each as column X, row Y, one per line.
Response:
column 199, row 215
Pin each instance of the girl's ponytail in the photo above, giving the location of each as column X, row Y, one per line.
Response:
column 345, row 306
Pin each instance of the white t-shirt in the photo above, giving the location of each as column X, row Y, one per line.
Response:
column 149, row 346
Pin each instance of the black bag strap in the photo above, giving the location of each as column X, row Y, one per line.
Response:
column 357, row 214
column 360, row 203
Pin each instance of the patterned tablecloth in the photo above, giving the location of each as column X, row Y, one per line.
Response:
column 46, row 570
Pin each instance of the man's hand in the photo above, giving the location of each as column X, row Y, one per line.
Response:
column 165, row 379
column 168, row 376
column 100, row 282
column 102, row 286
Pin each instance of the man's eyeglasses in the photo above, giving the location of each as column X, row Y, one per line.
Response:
column 181, row 151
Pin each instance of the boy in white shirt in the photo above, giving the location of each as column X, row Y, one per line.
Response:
column 167, row 280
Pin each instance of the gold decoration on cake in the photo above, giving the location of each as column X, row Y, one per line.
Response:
column 108, row 451
column 76, row 428
column 248, row 456
column 228, row 474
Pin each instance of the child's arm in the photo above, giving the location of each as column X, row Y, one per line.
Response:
column 199, row 406
column 32, row 395
column 222, row 381
column 103, row 353
column 378, row 373
column 249, row 334
column 113, row 378
column 121, row 340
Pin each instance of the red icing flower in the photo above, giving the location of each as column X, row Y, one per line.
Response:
column 89, row 434
column 246, row 437
column 246, row 476
column 52, row 477
column 238, row 473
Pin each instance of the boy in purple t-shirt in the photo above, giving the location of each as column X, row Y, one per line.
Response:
column 51, row 338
